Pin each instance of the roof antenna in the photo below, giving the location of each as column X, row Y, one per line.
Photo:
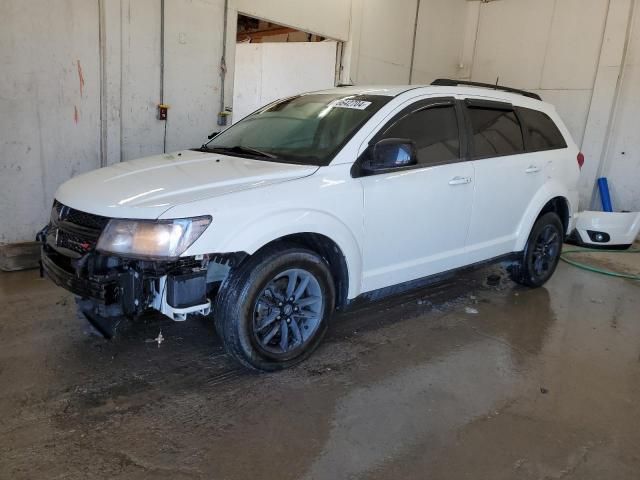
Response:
column 497, row 82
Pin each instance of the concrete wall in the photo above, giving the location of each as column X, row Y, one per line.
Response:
column 440, row 40
column 571, row 52
column 329, row 18
column 142, row 134
column 382, row 34
column 265, row 72
column 80, row 79
column 49, row 106
column 193, row 48
column 52, row 128
column 542, row 46
column 622, row 156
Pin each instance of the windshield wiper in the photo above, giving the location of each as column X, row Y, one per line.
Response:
column 246, row 150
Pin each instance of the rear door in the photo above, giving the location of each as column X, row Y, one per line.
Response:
column 506, row 177
column 416, row 218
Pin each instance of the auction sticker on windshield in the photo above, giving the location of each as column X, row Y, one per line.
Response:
column 350, row 103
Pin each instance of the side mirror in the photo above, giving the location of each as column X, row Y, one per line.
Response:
column 390, row 154
column 212, row 135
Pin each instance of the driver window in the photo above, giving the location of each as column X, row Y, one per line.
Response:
column 434, row 131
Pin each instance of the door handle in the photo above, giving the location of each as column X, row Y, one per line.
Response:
column 460, row 180
column 532, row 169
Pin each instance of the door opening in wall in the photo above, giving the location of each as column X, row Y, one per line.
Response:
column 254, row 30
column 274, row 61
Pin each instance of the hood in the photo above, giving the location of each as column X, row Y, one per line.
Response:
column 147, row 187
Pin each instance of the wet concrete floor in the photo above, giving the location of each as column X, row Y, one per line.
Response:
column 538, row 384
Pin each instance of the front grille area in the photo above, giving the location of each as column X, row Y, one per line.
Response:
column 76, row 217
column 72, row 232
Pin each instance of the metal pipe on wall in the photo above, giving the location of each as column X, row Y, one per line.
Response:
column 223, row 60
column 103, row 82
column 161, row 51
column 413, row 45
column 164, row 137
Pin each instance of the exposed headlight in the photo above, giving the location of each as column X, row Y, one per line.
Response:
column 153, row 239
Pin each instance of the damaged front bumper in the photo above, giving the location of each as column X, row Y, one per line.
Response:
column 110, row 287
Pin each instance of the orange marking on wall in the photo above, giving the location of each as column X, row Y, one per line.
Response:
column 80, row 77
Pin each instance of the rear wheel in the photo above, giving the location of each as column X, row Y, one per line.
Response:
column 542, row 253
column 273, row 311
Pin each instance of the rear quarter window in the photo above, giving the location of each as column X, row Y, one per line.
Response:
column 495, row 132
column 540, row 131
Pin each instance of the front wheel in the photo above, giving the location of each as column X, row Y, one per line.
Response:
column 273, row 311
column 542, row 253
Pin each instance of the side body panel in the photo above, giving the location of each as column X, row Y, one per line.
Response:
column 510, row 192
column 332, row 203
column 561, row 180
column 416, row 220
column 415, row 223
column 503, row 190
column 327, row 203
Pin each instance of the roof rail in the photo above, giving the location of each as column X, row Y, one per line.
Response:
column 447, row 82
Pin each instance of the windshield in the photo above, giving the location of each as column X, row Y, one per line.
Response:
column 308, row 129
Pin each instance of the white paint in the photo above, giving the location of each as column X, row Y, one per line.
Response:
column 147, row 187
column 623, row 228
column 251, row 200
column 268, row 71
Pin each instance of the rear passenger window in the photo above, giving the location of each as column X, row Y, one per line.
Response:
column 495, row 132
column 434, row 131
column 541, row 132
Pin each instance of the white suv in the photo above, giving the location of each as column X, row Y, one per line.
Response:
column 313, row 201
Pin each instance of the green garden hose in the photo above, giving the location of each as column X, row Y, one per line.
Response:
column 591, row 268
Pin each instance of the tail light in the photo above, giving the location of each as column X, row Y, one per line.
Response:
column 580, row 159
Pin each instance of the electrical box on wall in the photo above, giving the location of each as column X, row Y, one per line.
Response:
column 163, row 111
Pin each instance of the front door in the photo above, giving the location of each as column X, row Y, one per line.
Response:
column 416, row 219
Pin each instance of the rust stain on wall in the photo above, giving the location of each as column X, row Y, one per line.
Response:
column 80, row 77
column 76, row 115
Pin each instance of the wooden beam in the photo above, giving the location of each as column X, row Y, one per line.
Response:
column 265, row 33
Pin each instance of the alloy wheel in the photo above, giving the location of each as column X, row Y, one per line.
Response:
column 546, row 250
column 288, row 312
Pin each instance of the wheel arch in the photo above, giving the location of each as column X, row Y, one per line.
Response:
column 560, row 206
column 547, row 200
column 329, row 251
column 318, row 230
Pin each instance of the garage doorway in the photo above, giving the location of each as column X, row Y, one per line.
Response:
column 273, row 61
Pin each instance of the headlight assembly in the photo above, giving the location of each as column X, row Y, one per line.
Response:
column 152, row 239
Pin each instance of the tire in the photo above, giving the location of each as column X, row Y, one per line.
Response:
column 542, row 252
column 259, row 323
